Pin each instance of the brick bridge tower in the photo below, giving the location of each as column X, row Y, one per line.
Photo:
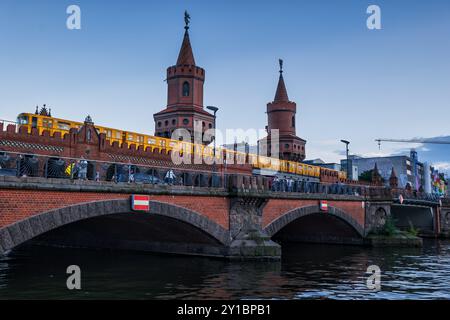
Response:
column 185, row 96
column 281, row 115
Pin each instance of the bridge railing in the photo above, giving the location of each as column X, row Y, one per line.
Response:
column 306, row 187
column 415, row 195
column 56, row 167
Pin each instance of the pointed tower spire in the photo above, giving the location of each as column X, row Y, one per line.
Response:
column 185, row 109
column 376, row 177
column 376, row 173
column 281, row 117
column 393, row 173
column 186, row 56
column 393, row 180
column 281, row 94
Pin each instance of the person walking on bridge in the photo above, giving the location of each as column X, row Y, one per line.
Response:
column 82, row 171
column 130, row 172
column 276, row 184
column 170, row 177
column 290, row 183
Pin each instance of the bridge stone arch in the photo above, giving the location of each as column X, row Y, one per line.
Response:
column 297, row 213
column 17, row 233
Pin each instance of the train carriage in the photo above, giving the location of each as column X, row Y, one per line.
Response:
column 43, row 122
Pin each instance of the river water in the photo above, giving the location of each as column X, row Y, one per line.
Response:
column 305, row 272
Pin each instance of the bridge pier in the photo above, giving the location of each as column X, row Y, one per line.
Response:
column 376, row 213
column 444, row 221
column 249, row 241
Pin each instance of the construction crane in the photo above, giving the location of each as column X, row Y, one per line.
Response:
column 415, row 140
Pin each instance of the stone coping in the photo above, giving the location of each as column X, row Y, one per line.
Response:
column 52, row 184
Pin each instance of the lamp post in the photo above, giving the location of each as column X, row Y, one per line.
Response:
column 214, row 110
column 348, row 163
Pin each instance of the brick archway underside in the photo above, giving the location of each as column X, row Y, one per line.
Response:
column 27, row 229
column 297, row 213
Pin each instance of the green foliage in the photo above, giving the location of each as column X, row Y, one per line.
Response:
column 412, row 230
column 389, row 227
column 366, row 176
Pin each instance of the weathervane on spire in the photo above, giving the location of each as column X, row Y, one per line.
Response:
column 280, row 61
column 187, row 19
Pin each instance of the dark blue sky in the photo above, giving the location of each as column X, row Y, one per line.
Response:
column 348, row 81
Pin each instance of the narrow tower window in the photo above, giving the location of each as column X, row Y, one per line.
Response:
column 186, row 89
column 293, row 121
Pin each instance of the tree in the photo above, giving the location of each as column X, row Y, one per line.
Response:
column 366, row 176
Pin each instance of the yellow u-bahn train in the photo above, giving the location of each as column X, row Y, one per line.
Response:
column 44, row 122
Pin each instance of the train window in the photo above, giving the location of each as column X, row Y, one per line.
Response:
column 108, row 133
column 130, row 137
column 63, row 125
column 140, row 139
column 151, row 141
column 22, row 120
column 117, row 134
column 47, row 123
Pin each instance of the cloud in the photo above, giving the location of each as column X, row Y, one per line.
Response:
column 442, row 166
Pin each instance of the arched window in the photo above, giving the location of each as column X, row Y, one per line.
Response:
column 186, row 89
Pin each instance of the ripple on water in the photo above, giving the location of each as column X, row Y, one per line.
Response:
column 306, row 272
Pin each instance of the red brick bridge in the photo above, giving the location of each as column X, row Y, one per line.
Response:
column 237, row 222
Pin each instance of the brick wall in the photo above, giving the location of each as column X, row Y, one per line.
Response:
column 16, row 205
column 75, row 144
column 275, row 208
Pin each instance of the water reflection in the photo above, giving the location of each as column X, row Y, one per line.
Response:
column 306, row 272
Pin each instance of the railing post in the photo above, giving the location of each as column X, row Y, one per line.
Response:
column 72, row 168
column 18, row 166
column 45, row 169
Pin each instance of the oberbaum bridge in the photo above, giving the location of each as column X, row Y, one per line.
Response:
column 232, row 209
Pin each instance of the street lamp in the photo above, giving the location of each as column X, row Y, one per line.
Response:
column 348, row 163
column 214, row 110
